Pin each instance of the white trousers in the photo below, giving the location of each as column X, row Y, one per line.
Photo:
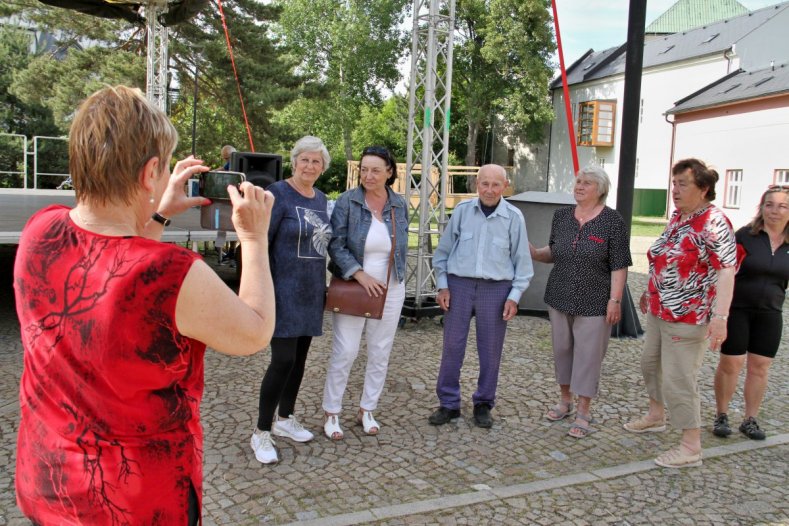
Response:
column 345, row 347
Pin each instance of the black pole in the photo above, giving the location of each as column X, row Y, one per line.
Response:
column 634, row 59
column 194, row 114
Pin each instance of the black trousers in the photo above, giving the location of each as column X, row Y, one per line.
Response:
column 281, row 383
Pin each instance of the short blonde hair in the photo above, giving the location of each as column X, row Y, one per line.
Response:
column 114, row 133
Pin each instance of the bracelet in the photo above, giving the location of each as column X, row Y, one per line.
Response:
column 720, row 316
column 615, row 300
column 159, row 218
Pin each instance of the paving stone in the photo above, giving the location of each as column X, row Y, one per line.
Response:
column 412, row 463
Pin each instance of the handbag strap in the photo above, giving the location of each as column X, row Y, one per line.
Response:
column 391, row 252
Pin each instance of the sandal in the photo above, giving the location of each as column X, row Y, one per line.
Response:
column 560, row 411
column 581, row 430
column 332, row 428
column 366, row 420
column 643, row 425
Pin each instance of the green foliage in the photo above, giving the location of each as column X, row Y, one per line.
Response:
column 387, row 126
column 501, row 66
column 351, row 47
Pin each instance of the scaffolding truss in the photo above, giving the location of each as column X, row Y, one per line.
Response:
column 157, row 57
column 428, row 146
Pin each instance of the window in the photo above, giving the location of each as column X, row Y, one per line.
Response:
column 596, row 123
column 733, row 190
column 781, row 177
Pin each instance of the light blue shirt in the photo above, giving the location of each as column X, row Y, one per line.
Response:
column 494, row 247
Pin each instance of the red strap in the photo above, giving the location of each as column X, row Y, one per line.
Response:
column 235, row 72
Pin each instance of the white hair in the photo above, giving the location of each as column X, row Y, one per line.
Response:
column 308, row 143
column 598, row 175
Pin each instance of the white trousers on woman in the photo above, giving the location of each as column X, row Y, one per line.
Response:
column 345, row 347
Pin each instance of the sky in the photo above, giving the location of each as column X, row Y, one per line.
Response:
column 601, row 24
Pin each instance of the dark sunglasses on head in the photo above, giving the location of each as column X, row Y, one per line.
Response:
column 778, row 187
column 375, row 150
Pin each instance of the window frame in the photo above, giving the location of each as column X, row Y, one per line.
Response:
column 733, row 184
column 776, row 176
column 593, row 116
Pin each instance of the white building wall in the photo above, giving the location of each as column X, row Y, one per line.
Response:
column 754, row 142
column 661, row 87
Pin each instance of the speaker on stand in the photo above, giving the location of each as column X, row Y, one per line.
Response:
column 260, row 169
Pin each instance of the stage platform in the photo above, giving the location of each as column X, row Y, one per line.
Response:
column 17, row 205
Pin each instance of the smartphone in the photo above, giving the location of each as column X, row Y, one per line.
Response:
column 213, row 185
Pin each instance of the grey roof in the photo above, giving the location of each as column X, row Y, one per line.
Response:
column 687, row 14
column 739, row 86
column 705, row 40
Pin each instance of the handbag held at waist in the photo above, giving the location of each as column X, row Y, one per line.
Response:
column 351, row 298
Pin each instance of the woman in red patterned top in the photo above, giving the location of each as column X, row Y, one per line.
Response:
column 114, row 325
column 691, row 278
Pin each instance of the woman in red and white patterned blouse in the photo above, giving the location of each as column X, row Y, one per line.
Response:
column 691, row 279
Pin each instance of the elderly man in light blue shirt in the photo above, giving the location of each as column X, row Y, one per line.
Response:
column 482, row 266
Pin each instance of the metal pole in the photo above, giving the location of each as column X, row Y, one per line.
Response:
column 194, row 112
column 634, row 58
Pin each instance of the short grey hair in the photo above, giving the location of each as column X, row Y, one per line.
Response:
column 598, row 175
column 308, row 143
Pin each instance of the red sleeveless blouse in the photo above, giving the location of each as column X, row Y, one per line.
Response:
column 110, row 394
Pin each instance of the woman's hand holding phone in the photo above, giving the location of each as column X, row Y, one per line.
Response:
column 174, row 200
column 251, row 211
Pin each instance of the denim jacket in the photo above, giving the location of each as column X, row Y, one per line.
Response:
column 350, row 222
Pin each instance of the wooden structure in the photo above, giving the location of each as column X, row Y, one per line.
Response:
column 456, row 181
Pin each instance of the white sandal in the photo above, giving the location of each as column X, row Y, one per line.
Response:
column 366, row 420
column 332, row 428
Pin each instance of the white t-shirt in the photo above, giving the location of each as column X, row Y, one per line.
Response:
column 377, row 247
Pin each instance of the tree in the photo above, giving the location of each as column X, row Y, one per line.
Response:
column 90, row 52
column 16, row 116
column 502, row 66
column 384, row 126
column 351, row 47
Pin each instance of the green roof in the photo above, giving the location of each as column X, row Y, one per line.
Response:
column 687, row 14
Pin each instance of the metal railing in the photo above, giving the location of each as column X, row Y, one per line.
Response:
column 27, row 158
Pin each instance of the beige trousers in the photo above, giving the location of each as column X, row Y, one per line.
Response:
column 670, row 363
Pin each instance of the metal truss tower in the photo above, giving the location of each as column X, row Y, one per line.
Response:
column 428, row 145
column 156, row 78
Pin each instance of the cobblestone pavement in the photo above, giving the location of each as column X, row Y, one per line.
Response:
column 525, row 470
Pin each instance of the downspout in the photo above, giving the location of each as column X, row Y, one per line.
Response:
column 550, row 142
column 671, row 158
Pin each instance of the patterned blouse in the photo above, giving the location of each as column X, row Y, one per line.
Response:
column 110, row 394
column 684, row 263
column 584, row 257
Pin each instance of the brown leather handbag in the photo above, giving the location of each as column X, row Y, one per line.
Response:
column 350, row 297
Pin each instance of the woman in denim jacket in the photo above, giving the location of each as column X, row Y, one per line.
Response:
column 359, row 249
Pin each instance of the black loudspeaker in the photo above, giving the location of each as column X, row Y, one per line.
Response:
column 260, row 169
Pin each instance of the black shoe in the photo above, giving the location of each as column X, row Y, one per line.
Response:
column 482, row 415
column 720, row 428
column 750, row 428
column 442, row 415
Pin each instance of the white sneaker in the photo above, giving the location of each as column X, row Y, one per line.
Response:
column 263, row 446
column 292, row 429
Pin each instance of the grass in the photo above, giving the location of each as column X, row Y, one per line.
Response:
column 648, row 226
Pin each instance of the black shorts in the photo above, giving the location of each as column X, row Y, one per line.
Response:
column 753, row 331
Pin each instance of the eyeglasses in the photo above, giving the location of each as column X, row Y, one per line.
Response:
column 776, row 187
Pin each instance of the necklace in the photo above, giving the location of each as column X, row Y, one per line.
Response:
column 585, row 218
column 100, row 225
column 377, row 212
column 292, row 183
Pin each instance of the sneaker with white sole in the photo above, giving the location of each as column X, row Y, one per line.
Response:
column 292, row 429
column 263, row 446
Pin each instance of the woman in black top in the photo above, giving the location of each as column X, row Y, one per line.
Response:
column 755, row 319
column 590, row 250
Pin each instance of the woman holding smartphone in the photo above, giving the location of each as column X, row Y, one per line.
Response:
column 298, row 240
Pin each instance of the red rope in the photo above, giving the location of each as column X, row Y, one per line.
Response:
column 235, row 72
column 566, row 89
